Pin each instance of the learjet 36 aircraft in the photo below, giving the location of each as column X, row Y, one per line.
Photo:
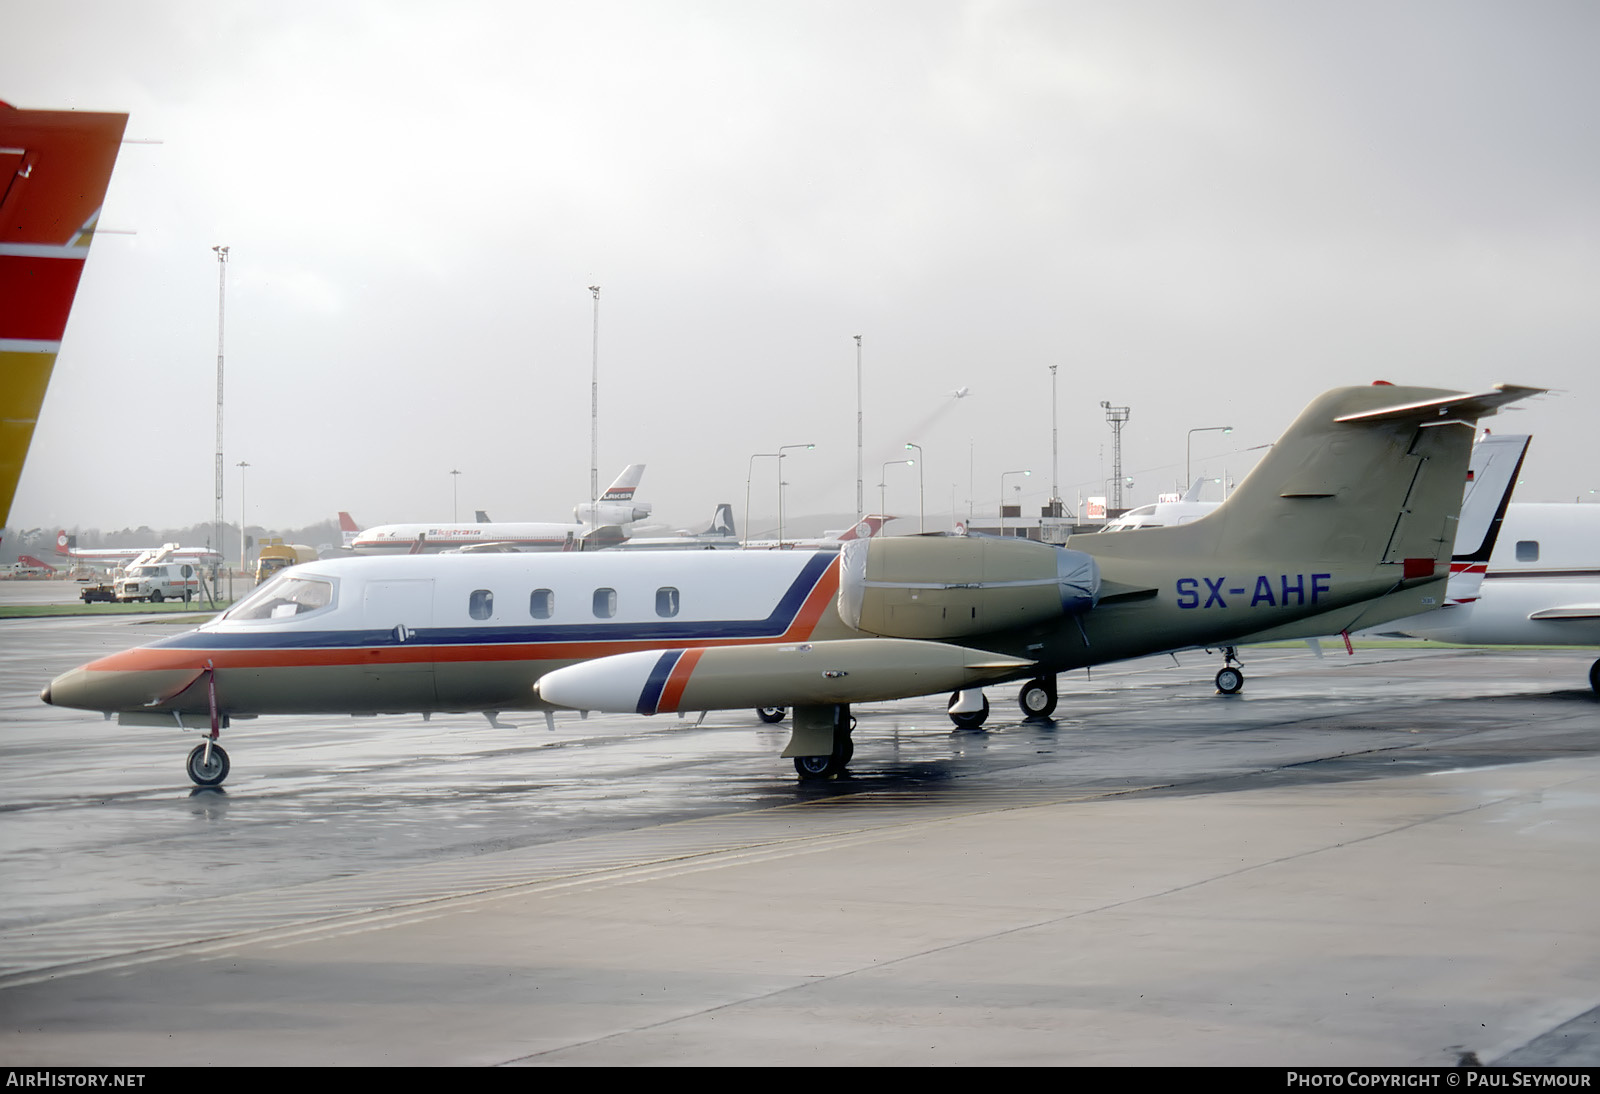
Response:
column 1347, row 522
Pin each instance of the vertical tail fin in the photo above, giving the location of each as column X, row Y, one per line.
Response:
column 1365, row 485
column 54, row 169
column 626, row 483
column 1491, row 477
column 722, row 522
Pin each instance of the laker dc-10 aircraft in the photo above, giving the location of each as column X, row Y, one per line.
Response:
column 1347, row 522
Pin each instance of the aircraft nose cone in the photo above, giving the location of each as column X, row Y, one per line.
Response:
column 44, row 694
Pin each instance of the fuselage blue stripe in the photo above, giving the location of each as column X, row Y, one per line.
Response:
column 650, row 695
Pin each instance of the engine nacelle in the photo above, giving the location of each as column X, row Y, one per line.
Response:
column 952, row 586
column 611, row 512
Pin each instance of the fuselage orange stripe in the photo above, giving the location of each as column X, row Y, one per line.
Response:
column 672, row 694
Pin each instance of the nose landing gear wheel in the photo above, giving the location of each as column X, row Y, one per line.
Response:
column 208, row 773
column 1229, row 681
column 971, row 720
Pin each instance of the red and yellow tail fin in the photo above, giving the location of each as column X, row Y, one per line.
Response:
column 54, row 169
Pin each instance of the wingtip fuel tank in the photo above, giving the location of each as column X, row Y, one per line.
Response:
column 854, row 670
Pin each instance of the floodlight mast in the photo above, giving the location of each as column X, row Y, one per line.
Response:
column 1117, row 416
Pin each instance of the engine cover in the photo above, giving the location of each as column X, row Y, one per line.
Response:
column 951, row 586
column 611, row 512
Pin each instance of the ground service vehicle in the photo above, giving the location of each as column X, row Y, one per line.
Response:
column 277, row 555
column 158, row 581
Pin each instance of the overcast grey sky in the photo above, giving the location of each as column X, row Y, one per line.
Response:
column 1207, row 211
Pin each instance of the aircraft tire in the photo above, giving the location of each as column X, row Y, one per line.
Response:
column 771, row 715
column 1594, row 677
column 821, row 767
column 204, row 774
column 1229, row 680
column 972, row 720
column 1037, row 699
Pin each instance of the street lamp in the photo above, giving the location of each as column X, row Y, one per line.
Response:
column 781, row 484
column 749, row 471
column 883, row 476
column 241, row 465
column 1003, row 476
column 1188, row 479
column 922, row 519
column 455, row 479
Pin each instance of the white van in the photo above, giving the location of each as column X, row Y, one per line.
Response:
column 157, row 581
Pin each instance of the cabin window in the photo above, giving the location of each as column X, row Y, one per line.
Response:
column 605, row 603
column 480, row 605
column 1527, row 550
column 667, row 602
column 542, row 604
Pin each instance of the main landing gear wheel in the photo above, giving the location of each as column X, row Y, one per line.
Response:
column 1594, row 677
column 971, row 720
column 1037, row 699
column 208, row 773
column 1229, row 680
column 771, row 715
column 824, row 767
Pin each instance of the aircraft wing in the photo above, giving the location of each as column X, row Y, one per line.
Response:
column 1569, row 612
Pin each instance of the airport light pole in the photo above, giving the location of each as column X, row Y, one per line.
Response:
column 222, row 297
column 1003, row 476
column 781, row 484
column 241, row 465
column 1188, row 447
column 594, row 403
column 922, row 517
column 860, row 508
column 883, row 478
column 749, row 472
column 455, row 479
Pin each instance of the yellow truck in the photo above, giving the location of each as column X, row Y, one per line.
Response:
column 277, row 555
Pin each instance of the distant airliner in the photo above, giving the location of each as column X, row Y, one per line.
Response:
column 598, row 524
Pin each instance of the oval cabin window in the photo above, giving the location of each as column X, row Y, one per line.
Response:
column 666, row 602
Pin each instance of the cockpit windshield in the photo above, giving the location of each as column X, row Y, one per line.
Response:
column 285, row 595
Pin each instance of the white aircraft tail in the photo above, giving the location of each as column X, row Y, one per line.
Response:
column 722, row 522
column 1491, row 477
column 626, row 483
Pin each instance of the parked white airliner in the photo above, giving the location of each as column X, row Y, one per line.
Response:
column 596, row 524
